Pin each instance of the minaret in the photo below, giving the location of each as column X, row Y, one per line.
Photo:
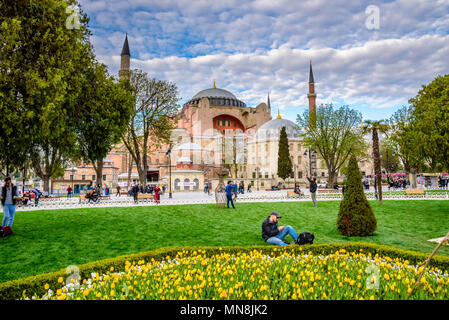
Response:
column 268, row 103
column 123, row 74
column 312, row 98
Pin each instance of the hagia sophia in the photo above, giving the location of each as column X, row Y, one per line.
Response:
column 216, row 134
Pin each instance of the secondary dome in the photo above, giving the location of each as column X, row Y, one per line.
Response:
column 217, row 97
column 272, row 129
column 188, row 146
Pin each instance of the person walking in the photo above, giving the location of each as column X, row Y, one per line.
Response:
column 157, row 197
column 135, row 191
column 313, row 187
column 69, row 192
column 249, row 188
column 37, row 195
column 229, row 191
column 118, row 191
column 9, row 197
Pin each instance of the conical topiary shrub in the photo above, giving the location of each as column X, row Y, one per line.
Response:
column 355, row 218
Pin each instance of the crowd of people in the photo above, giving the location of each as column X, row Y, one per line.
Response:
column 156, row 191
column 443, row 182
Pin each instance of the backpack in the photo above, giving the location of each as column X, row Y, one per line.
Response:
column 5, row 231
column 305, row 238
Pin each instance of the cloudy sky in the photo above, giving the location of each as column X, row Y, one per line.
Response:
column 254, row 47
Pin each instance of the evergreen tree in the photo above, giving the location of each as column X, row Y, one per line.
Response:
column 356, row 217
column 285, row 166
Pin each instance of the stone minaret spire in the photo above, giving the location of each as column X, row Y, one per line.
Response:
column 312, row 98
column 123, row 74
column 268, row 102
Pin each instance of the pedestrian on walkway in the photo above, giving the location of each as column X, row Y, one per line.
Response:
column 9, row 197
column 118, row 191
column 69, row 192
column 135, row 191
column 157, row 197
column 313, row 188
column 229, row 192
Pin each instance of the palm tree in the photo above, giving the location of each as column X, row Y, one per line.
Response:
column 376, row 127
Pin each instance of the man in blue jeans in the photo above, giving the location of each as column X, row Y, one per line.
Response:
column 273, row 234
column 9, row 196
column 229, row 191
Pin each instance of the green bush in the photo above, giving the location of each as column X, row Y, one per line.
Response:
column 35, row 285
column 356, row 217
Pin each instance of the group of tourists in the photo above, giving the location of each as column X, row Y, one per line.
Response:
column 443, row 182
column 147, row 189
column 398, row 183
column 207, row 187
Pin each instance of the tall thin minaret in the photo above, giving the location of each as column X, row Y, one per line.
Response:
column 123, row 74
column 268, row 103
column 312, row 98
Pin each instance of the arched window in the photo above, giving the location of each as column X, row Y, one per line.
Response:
column 186, row 187
column 177, row 187
column 197, row 184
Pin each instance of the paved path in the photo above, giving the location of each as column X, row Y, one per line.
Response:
column 181, row 198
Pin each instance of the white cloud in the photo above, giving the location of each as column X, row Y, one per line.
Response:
column 251, row 47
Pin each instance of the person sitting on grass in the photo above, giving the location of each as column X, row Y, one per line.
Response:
column 273, row 234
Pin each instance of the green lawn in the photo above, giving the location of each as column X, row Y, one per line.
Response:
column 50, row 240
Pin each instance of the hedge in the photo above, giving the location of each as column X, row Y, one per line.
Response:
column 34, row 285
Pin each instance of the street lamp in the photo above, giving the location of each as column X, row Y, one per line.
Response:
column 72, row 170
column 310, row 159
column 296, row 169
column 257, row 173
column 168, row 153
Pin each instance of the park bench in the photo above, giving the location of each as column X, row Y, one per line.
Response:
column 415, row 191
column 293, row 194
column 328, row 191
column 83, row 197
column 145, row 196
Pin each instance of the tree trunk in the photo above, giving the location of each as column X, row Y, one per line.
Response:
column 46, row 179
column 412, row 177
column 330, row 180
column 99, row 171
column 377, row 168
column 130, row 169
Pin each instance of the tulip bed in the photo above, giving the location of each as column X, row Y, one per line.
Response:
column 279, row 274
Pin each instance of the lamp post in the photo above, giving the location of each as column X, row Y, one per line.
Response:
column 296, row 169
column 310, row 160
column 257, row 173
column 168, row 153
column 72, row 170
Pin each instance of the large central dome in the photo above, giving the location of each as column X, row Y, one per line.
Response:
column 217, row 97
column 214, row 93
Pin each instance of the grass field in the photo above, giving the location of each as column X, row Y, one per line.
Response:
column 46, row 241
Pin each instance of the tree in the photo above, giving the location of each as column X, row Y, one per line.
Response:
column 390, row 159
column 152, row 119
column 403, row 138
column 104, row 112
column 335, row 136
column 355, row 217
column 285, row 166
column 376, row 127
column 430, row 110
column 42, row 59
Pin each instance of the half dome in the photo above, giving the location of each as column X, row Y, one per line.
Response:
column 272, row 129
